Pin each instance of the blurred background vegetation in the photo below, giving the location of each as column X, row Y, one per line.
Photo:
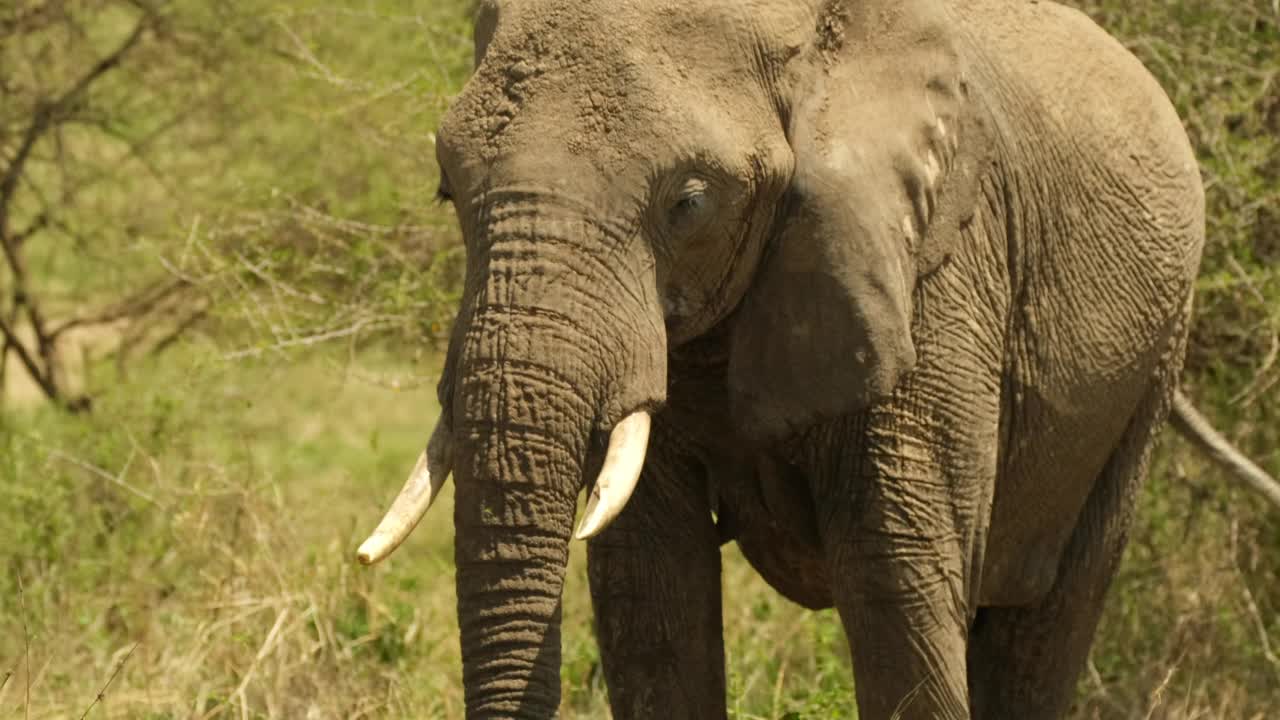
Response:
column 223, row 293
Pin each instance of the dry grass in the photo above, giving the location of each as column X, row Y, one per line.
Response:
column 205, row 520
column 216, row 536
column 214, row 541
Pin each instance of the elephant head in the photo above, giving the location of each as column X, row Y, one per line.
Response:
column 629, row 177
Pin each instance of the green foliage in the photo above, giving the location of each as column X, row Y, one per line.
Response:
column 1192, row 617
column 340, row 237
column 114, row 103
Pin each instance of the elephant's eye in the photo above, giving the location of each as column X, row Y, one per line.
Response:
column 691, row 203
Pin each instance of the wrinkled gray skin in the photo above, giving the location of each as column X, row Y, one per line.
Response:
column 906, row 286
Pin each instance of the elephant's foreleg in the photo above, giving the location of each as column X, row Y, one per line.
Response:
column 655, row 586
column 900, row 591
column 902, row 512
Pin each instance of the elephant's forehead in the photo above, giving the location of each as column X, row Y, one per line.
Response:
column 704, row 34
column 607, row 78
column 715, row 21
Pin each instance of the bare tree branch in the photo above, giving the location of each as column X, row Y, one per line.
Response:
column 1188, row 421
column 47, row 115
column 14, row 344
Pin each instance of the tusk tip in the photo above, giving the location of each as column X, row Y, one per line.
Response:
column 623, row 462
column 594, row 520
column 372, row 551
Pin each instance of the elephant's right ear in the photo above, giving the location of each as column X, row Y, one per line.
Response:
column 880, row 189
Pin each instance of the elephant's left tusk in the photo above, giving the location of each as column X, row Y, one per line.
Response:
column 618, row 476
column 420, row 491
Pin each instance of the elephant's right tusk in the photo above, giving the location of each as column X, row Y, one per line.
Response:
column 422, row 489
column 622, row 464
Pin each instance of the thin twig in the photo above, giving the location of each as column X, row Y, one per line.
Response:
column 397, row 383
column 260, row 272
column 1250, row 393
column 1193, row 426
column 117, row 479
column 267, row 646
column 305, row 341
column 140, row 303
column 4, row 683
column 179, row 330
column 1264, row 638
column 1157, row 696
column 42, row 221
column 26, row 640
column 103, row 692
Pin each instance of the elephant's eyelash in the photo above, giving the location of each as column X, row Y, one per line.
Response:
column 443, row 196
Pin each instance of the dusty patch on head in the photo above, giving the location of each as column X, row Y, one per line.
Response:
column 517, row 76
column 602, row 111
column 831, row 24
column 573, row 60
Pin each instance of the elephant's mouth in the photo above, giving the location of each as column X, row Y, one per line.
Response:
column 624, row 458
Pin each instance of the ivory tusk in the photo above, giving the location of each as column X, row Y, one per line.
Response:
column 618, row 476
column 422, row 489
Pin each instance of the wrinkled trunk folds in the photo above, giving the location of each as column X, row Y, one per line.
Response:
column 522, row 440
column 522, row 447
column 543, row 362
column 509, row 585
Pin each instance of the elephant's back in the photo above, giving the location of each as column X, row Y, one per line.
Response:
column 1105, row 205
column 1105, row 217
column 1071, row 100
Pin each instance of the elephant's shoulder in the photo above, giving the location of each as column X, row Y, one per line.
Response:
column 1062, row 62
column 1065, row 93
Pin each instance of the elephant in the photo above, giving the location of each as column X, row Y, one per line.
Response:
column 893, row 294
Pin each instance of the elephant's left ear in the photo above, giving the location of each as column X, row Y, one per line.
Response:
column 889, row 151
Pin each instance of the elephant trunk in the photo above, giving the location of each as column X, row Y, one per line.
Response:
column 521, row 448
column 510, row 572
column 547, row 362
